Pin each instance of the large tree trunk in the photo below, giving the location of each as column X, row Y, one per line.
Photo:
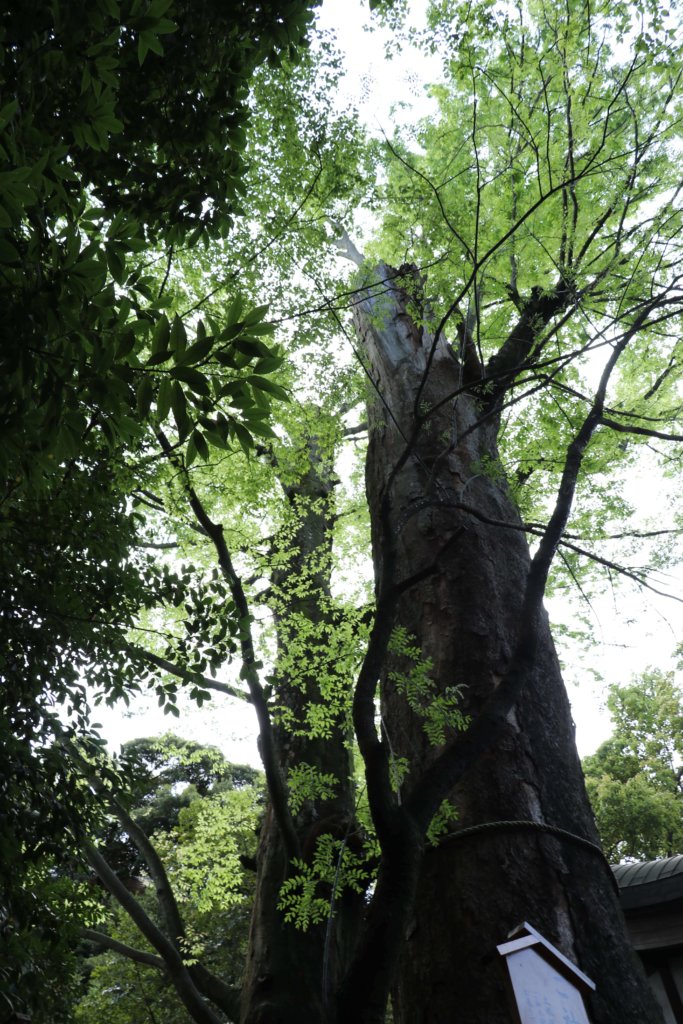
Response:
column 291, row 973
column 443, row 507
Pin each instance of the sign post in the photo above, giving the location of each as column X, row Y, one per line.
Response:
column 546, row 987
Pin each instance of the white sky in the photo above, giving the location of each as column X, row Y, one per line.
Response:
column 634, row 632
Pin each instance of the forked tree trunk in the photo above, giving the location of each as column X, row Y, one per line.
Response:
column 465, row 616
column 291, row 973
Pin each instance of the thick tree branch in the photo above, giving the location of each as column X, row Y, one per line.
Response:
column 224, row 996
column 345, row 246
column 515, row 352
column 360, row 428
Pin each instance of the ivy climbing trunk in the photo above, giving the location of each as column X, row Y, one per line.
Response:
column 438, row 498
column 291, row 972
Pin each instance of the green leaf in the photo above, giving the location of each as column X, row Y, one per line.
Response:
column 268, row 385
column 179, row 407
column 260, row 329
column 267, row 364
column 191, row 450
column 126, row 343
column 164, row 398
column 255, row 315
column 232, row 331
column 195, row 353
column 235, row 309
column 249, row 347
column 178, row 336
column 159, row 357
column 8, row 111
column 8, row 253
column 226, row 359
column 214, row 438
column 141, row 326
column 117, row 266
column 144, row 395
column 244, row 437
column 196, row 380
column 200, row 444
column 261, row 429
column 161, row 335
column 241, row 400
column 148, row 41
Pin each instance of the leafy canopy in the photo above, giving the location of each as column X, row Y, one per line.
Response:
column 634, row 778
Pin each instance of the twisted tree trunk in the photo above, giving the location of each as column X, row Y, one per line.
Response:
column 291, row 973
column 438, row 497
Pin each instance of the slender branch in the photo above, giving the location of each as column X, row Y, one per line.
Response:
column 178, row 973
column 274, row 779
column 184, row 673
column 643, row 431
column 481, row 260
column 651, row 392
column 170, row 545
column 169, row 262
column 630, row 574
column 208, row 984
column 435, row 189
column 164, row 891
column 140, row 956
column 170, row 912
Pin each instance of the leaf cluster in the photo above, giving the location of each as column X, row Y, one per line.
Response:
column 439, row 708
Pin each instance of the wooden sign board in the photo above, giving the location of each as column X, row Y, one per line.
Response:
column 547, row 988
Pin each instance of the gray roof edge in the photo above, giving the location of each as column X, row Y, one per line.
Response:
column 650, row 882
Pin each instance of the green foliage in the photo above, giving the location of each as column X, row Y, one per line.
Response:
column 38, row 934
column 124, row 992
column 439, row 709
column 150, row 763
column 634, row 778
column 203, row 853
column 636, row 819
column 122, row 138
column 129, row 312
column 97, row 169
column 164, row 776
column 308, row 897
column 441, row 822
column 307, row 782
column 202, row 813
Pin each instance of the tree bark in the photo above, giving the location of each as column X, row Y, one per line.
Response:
column 292, row 973
column 440, row 508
